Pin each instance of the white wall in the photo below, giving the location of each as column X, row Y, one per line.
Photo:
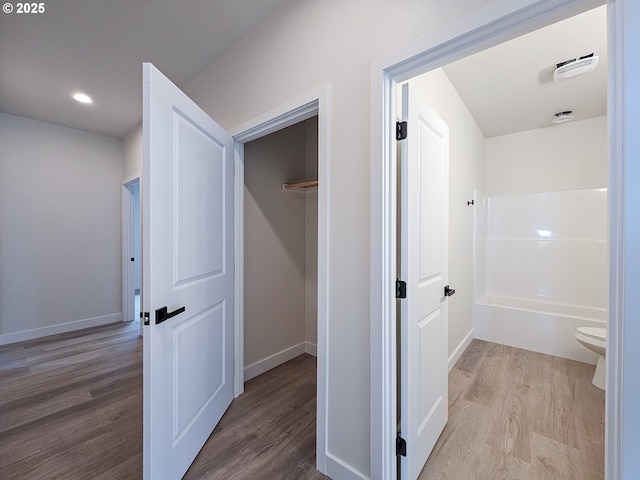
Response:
column 60, row 227
column 132, row 154
column 303, row 45
column 570, row 156
column 132, row 168
column 466, row 173
column 275, row 253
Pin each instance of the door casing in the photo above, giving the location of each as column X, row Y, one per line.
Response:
column 315, row 102
column 481, row 29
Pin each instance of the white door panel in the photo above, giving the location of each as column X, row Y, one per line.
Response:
column 424, row 267
column 187, row 200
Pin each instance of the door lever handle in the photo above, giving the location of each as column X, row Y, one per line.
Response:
column 448, row 291
column 163, row 314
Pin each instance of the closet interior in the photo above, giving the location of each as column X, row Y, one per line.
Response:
column 280, row 247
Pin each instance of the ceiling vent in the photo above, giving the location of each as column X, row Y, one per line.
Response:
column 575, row 66
column 562, row 117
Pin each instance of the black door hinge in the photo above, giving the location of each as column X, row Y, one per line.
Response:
column 401, row 446
column 144, row 316
column 401, row 130
column 401, row 289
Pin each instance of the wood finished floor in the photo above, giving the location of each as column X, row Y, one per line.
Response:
column 269, row 432
column 517, row 414
column 71, row 408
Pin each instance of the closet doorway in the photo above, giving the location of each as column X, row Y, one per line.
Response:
column 281, row 252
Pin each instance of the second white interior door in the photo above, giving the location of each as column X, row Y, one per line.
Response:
column 424, row 226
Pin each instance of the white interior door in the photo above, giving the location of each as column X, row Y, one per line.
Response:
column 424, row 266
column 188, row 248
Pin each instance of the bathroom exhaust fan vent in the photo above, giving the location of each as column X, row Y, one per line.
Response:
column 575, row 66
column 562, row 117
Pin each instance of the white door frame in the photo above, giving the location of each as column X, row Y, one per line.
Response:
column 488, row 26
column 301, row 108
column 128, row 250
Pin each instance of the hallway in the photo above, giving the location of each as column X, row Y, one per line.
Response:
column 71, row 407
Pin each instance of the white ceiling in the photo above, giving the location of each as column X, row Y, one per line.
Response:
column 98, row 46
column 509, row 88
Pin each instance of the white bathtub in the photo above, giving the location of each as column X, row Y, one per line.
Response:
column 539, row 326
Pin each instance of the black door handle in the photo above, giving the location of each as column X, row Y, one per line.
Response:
column 448, row 291
column 162, row 314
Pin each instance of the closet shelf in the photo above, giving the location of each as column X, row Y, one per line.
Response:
column 308, row 185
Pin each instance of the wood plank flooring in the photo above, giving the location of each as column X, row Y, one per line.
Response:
column 269, row 431
column 516, row 414
column 71, row 408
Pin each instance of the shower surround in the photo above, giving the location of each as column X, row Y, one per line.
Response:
column 541, row 269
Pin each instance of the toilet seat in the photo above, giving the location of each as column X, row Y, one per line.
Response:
column 596, row 333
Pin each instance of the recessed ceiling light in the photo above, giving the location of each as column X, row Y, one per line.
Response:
column 82, row 98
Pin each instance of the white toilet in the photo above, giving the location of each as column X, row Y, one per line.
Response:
column 595, row 339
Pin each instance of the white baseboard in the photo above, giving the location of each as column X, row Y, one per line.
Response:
column 311, row 348
column 273, row 361
column 336, row 468
column 23, row 335
column 459, row 350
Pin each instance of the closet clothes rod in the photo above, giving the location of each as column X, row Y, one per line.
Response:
column 301, row 185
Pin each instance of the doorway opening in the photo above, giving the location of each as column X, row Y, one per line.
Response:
column 131, row 251
column 531, row 215
column 280, row 247
column 312, row 107
column 432, row 57
column 275, row 416
column 281, row 267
